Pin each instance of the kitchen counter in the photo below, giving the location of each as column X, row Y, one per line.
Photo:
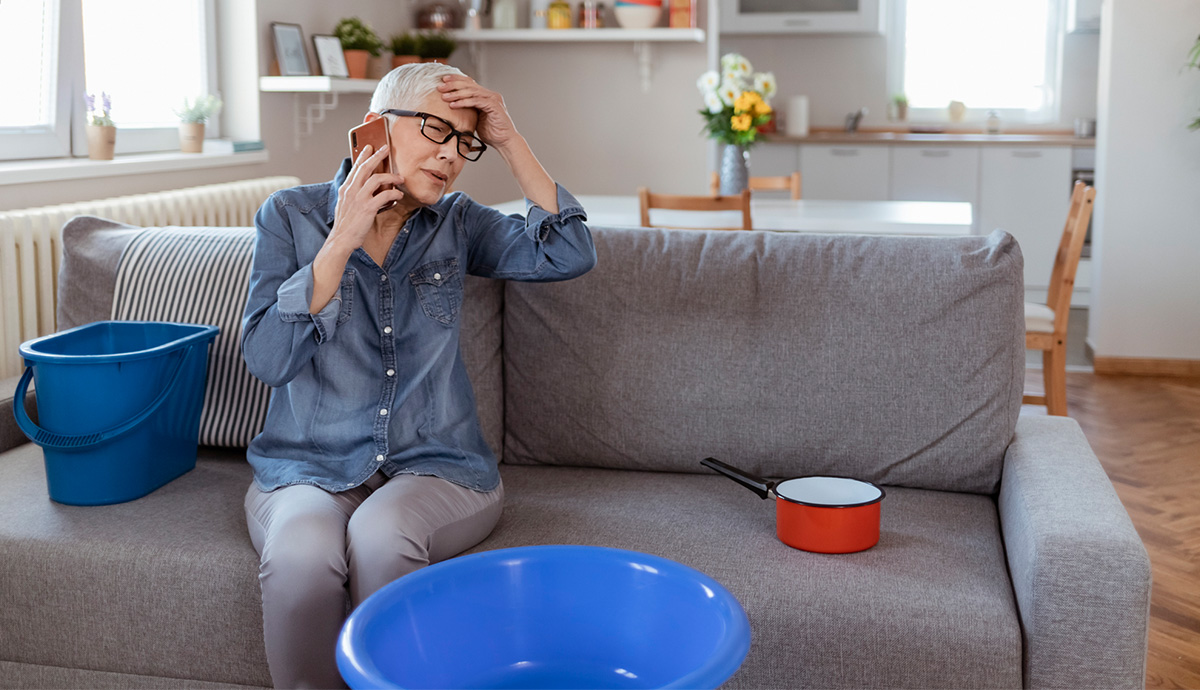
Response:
column 923, row 139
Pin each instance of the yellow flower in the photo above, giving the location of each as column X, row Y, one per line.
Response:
column 746, row 102
column 741, row 123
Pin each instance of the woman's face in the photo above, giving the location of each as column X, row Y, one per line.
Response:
column 429, row 169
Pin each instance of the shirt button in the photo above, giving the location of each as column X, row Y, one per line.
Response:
column 378, row 458
column 437, row 276
column 383, row 279
column 391, row 372
column 387, row 329
column 383, row 412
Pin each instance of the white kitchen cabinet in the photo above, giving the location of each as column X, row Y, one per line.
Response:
column 935, row 173
column 1026, row 191
column 774, row 159
column 845, row 172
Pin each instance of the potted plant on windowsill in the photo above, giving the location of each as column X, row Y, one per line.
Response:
column 404, row 49
column 900, row 107
column 359, row 43
column 101, row 132
column 436, row 46
column 192, row 117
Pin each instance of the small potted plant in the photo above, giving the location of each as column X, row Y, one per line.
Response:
column 101, row 132
column 359, row 43
column 404, row 49
column 900, row 107
column 192, row 117
column 436, row 46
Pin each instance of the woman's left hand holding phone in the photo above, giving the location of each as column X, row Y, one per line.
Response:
column 360, row 198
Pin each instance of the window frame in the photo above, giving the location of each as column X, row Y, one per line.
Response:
column 52, row 140
column 1048, row 114
column 66, row 136
column 147, row 139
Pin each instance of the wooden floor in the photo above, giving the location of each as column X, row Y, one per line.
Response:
column 1146, row 432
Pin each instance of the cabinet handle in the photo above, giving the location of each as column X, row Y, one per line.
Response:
column 927, row 153
column 1027, row 154
column 844, row 152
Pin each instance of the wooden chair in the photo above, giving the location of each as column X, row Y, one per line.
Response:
column 1046, row 324
column 672, row 202
column 760, row 184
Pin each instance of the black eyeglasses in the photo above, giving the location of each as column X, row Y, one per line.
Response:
column 439, row 131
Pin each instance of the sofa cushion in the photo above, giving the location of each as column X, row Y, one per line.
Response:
column 200, row 275
column 930, row 606
column 893, row 359
column 166, row 585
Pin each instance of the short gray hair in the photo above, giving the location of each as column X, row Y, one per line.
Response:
column 405, row 87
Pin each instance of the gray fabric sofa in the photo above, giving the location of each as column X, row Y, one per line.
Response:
column 1005, row 557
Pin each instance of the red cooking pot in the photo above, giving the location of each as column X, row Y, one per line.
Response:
column 817, row 513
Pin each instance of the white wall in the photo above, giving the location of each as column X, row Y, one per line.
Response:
column 1146, row 230
column 580, row 105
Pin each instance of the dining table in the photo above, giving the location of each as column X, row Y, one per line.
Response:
column 802, row 215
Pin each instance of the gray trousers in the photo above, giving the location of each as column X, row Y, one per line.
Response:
column 315, row 544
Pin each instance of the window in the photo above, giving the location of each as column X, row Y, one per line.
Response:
column 989, row 55
column 34, row 122
column 84, row 46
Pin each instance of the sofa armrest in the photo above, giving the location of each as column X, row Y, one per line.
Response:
column 1080, row 572
column 10, row 433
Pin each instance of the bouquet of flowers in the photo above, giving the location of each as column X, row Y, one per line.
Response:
column 737, row 101
column 99, row 116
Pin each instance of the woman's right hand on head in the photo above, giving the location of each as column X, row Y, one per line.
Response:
column 360, row 198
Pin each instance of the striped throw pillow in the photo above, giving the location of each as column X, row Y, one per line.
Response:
column 200, row 275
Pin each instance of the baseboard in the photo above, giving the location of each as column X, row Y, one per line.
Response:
column 1145, row 366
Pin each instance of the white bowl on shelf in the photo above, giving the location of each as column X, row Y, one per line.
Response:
column 638, row 16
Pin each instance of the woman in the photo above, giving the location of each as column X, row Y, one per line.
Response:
column 372, row 462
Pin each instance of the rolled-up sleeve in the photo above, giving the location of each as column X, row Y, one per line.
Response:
column 279, row 335
column 542, row 246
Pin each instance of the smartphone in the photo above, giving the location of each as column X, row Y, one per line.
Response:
column 376, row 135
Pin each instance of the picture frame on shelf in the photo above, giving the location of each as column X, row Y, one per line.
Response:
column 289, row 50
column 330, row 57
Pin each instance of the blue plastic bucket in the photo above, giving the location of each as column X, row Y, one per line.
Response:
column 546, row 617
column 118, row 406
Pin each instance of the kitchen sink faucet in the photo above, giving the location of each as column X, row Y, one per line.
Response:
column 853, row 119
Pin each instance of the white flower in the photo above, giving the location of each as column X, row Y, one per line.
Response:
column 709, row 81
column 729, row 92
column 764, row 83
column 736, row 64
column 713, row 102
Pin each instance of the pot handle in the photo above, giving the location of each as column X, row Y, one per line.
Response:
column 756, row 484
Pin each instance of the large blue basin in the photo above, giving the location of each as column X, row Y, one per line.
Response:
column 546, row 617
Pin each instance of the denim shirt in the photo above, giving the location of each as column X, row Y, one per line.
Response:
column 375, row 380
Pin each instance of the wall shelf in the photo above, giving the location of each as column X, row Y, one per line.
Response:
column 641, row 39
column 316, row 85
column 584, row 35
column 328, row 89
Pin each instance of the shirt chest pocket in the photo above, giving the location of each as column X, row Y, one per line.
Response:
column 439, row 289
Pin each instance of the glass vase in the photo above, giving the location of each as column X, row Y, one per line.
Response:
column 735, row 169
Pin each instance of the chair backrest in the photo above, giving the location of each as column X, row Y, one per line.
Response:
column 1066, row 262
column 787, row 183
column 673, row 202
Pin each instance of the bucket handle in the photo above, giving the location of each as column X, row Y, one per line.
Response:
column 53, row 441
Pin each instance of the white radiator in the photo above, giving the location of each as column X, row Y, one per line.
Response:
column 31, row 245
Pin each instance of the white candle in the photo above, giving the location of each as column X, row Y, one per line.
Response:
column 797, row 116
